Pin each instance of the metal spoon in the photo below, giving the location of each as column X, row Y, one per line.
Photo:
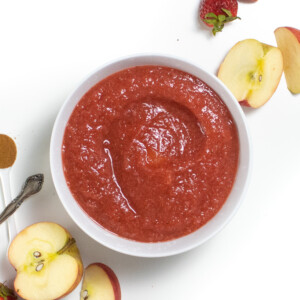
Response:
column 8, row 157
column 32, row 185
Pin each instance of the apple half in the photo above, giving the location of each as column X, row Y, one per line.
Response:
column 47, row 262
column 100, row 282
column 288, row 41
column 252, row 71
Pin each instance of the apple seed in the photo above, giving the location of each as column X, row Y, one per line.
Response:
column 39, row 267
column 37, row 254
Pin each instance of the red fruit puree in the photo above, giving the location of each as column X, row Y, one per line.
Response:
column 150, row 153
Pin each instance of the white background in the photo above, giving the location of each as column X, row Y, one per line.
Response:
column 47, row 47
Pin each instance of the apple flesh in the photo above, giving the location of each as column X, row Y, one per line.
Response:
column 47, row 262
column 288, row 41
column 252, row 71
column 100, row 282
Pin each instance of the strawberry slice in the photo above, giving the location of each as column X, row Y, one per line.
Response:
column 6, row 293
column 215, row 13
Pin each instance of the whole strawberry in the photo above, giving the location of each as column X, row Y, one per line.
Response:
column 215, row 13
column 6, row 293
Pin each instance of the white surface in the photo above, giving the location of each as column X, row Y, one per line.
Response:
column 126, row 246
column 47, row 47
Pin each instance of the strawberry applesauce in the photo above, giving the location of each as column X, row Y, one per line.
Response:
column 150, row 153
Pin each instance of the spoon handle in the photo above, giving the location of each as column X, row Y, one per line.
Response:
column 7, row 212
column 32, row 185
column 5, row 179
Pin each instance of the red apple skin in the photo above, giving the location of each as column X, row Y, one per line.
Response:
column 113, row 278
column 76, row 254
column 73, row 287
column 295, row 32
column 244, row 103
column 292, row 62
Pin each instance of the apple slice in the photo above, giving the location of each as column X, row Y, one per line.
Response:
column 100, row 282
column 252, row 71
column 47, row 262
column 288, row 41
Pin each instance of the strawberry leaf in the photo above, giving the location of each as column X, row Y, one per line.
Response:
column 221, row 18
column 211, row 15
column 6, row 292
column 218, row 21
column 211, row 21
column 227, row 12
column 217, row 28
column 229, row 19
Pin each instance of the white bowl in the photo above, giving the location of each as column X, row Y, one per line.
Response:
column 159, row 249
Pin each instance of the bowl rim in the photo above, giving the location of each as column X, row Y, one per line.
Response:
column 111, row 240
